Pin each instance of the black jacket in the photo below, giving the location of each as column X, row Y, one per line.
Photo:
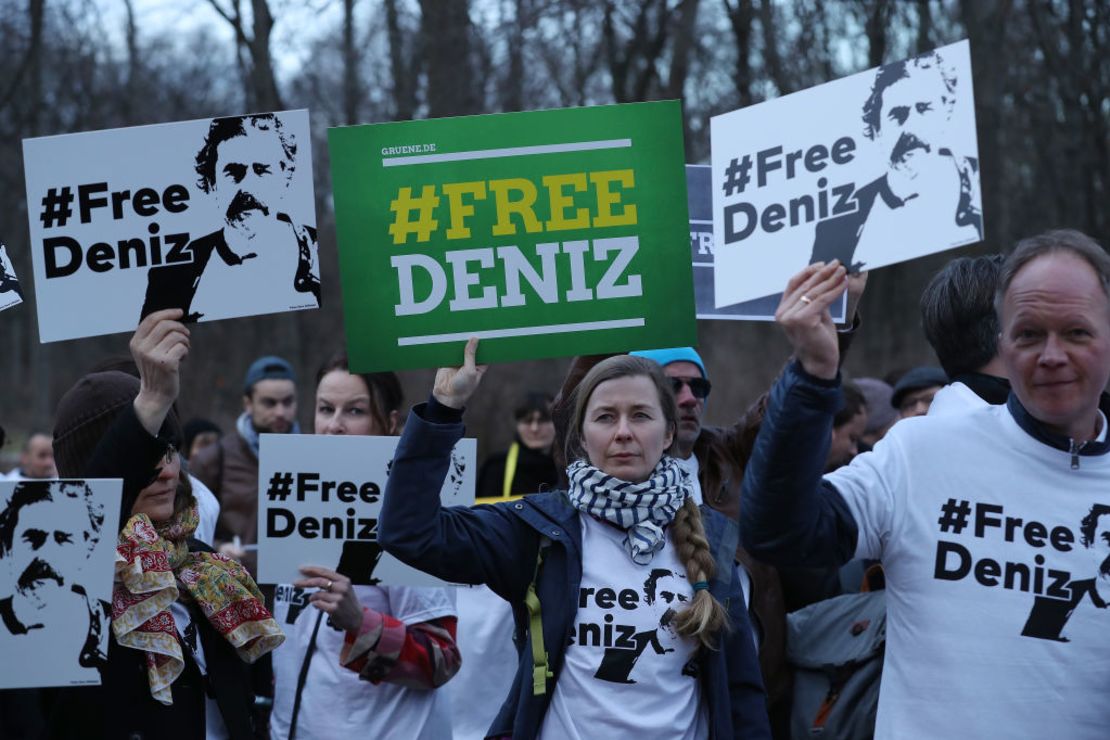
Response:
column 535, row 472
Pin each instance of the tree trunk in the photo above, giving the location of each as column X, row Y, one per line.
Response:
column 875, row 25
column 924, row 26
column 680, row 50
column 772, row 59
column 266, row 97
column 445, row 27
column 513, row 98
column 404, row 89
column 740, row 18
column 352, row 92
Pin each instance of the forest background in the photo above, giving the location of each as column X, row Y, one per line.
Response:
column 1042, row 101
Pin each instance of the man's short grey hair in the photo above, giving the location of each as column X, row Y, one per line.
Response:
column 958, row 316
column 1066, row 241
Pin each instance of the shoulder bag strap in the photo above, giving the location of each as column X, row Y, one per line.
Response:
column 304, row 675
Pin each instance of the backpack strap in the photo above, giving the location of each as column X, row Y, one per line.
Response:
column 510, row 469
column 541, row 671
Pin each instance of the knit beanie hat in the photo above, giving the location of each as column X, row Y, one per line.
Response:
column 85, row 413
column 665, row 357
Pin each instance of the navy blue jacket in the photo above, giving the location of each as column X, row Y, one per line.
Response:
column 498, row 545
column 792, row 516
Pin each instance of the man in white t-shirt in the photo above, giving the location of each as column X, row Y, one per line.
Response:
column 986, row 522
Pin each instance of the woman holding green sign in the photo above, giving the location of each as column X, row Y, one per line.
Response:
column 624, row 590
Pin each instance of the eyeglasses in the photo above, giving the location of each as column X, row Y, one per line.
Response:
column 167, row 458
column 699, row 387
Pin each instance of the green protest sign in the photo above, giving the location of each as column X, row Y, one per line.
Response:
column 545, row 233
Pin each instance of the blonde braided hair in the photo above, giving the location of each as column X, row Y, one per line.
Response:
column 704, row 617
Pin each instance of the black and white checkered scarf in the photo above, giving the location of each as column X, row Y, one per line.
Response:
column 641, row 509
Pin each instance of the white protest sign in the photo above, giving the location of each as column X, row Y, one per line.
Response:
column 57, row 565
column 700, row 199
column 10, row 292
column 872, row 169
column 214, row 216
column 318, row 503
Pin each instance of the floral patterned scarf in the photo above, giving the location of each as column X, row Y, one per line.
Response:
column 154, row 568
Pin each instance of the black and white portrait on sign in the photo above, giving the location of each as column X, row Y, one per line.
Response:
column 57, row 542
column 216, row 216
column 872, row 169
column 245, row 166
column 10, row 292
column 908, row 115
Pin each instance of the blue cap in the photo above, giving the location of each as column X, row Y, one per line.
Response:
column 675, row 354
column 267, row 368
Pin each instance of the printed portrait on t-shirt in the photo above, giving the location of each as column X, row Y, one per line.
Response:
column 659, row 598
column 1048, row 619
column 10, row 292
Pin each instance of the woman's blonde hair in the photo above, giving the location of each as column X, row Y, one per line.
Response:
column 704, row 617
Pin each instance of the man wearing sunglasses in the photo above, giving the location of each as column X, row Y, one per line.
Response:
column 715, row 457
column 684, row 366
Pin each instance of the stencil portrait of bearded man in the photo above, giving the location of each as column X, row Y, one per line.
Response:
column 929, row 187
column 48, row 531
column 260, row 260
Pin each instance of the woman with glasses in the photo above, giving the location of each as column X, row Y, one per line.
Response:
column 184, row 621
column 627, row 599
column 527, row 466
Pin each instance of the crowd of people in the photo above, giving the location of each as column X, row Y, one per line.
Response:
column 629, row 570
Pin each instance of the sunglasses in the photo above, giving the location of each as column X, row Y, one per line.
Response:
column 699, row 387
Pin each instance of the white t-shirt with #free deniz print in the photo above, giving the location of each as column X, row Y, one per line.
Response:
column 335, row 702
column 996, row 552
column 624, row 673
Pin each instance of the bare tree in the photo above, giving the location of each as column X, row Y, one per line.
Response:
column 876, row 25
column 352, row 88
column 740, row 21
column 1074, row 40
column 924, row 26
column 262, row 92
column 512, row 97
column 447, row 38
column 633, row 60
column 403, row 64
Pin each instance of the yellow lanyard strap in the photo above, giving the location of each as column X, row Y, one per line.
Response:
column 510, row 469
column 540, row 670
